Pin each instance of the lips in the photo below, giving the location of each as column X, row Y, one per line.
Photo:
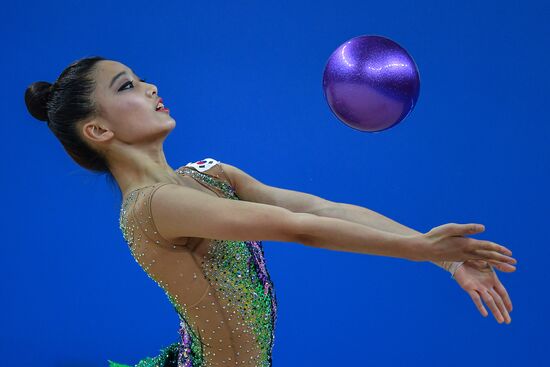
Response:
column 160, row 106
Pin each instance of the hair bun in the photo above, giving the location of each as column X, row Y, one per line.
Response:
column 36, row 99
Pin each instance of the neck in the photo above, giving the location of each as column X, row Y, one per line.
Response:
column 141, row 170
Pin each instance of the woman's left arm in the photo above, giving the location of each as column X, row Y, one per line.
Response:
column 251, row 189
column 476, row 277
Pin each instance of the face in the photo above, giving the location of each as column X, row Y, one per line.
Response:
column 126, row 107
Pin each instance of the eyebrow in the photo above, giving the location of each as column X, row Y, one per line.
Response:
column 115, row 78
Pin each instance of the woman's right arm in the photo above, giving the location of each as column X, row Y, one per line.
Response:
column 179, row 211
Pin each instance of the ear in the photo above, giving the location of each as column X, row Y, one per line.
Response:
column 96, row 131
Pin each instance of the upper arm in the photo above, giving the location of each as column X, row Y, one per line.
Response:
column 250, row 189
column 180, row 211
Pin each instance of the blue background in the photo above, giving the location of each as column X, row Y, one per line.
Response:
column 243, row 81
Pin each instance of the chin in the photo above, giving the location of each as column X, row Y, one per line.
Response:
column 171, row 123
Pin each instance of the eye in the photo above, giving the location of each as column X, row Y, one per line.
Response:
column 123, row 87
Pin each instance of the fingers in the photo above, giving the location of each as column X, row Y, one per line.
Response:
column 477, row 300
column 489, row 301
column 493, row 301
column 491, row 246
column 481, row 265
column 494, row 256
column 507, row 268
column 499, row 288
column 455, row 229
column 473, row 228
column 500, row 305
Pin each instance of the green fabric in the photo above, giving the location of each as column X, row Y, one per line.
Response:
column 114, row 364
column 168, row 357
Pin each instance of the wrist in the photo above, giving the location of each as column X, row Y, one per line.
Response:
column 442, row 264
column 450, row 266
column 454, row 266
column 415, row 247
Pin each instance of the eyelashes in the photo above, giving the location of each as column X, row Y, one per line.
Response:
column 131, row 82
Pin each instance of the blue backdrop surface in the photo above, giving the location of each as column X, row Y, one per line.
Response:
column 243, row 81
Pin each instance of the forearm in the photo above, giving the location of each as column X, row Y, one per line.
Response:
column 370, row 218
column 343, row 235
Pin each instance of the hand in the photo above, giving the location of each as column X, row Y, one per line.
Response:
column 447, row 243
column 480, row 281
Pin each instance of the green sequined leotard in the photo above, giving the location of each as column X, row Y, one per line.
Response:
column 220, row 289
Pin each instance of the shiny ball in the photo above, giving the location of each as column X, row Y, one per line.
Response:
column 371, row 83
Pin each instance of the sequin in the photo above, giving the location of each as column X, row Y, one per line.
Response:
column 220, row 289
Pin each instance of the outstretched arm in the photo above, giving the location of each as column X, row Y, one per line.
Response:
column 251, row 189
column 368, row 217
column 476, row 277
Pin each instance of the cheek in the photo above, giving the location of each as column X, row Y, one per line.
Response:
column 130, row 109
column 134, row 106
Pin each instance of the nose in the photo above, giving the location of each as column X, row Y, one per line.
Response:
column 152, row 90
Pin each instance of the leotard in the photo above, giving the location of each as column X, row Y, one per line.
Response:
column 221, row 289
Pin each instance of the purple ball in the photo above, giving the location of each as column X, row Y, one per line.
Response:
column 371, row 83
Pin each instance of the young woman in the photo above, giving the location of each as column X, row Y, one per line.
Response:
column 197, row 230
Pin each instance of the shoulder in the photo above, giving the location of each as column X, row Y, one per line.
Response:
column 139, row 200
column 216, row 168
column 136, row 215
column 204, row 164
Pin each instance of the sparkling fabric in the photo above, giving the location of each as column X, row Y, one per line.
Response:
column 220, row 289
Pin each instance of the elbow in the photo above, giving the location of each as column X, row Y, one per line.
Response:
column 301, row 228
column 325, row 209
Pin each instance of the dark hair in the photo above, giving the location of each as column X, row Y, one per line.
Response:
column 65, row 103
